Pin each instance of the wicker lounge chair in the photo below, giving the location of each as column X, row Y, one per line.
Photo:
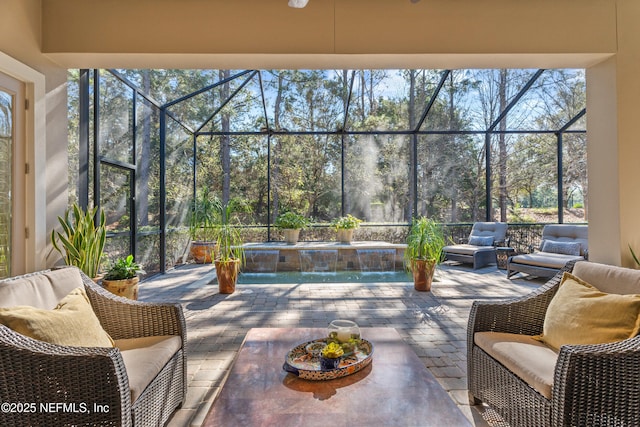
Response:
column 480, row 248
column 591, row 385
column 568, row 242
column 139, row 382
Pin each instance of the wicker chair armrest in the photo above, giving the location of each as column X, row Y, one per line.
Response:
column 37, row 372
column 597, row 382
column 523, row 315
column 125, row 318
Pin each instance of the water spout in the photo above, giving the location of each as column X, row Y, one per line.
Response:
column 262, row 261
column 376, row 260
column 318, row 260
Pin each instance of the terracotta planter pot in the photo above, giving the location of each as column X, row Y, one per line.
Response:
column 422, row 274
column 127, row 288
column 345, row 235
column 291, row 235
column 201, row 251
column 227, row 274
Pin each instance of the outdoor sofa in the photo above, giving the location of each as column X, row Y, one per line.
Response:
column 135, row 374
column 480, row 247
column 560, row 244
column 565, row 355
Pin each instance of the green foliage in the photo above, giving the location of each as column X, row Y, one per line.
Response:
column 348, row 222
column 229, row 243
column 425, row 241
column 303, row 172
column 82, row 241
column 332, row 350
column 633, row 254
column 227, row 232
column 578, row 205
column 545, row 211
column 517, row 216
column 124, row 268
column 205, row 212
column 291, row 220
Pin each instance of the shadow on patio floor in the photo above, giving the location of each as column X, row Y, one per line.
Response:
column 432, row 323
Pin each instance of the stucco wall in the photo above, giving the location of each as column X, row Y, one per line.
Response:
column 47, row 117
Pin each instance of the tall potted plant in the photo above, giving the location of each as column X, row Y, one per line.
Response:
column 202, row 223
column 424, row 251
column 81, row 242
column 122, row 277
column 345, row 226
column 229, row 250
column 291, row 223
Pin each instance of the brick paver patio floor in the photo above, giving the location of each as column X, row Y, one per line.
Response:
column 432, row 323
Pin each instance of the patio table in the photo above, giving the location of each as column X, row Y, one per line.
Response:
column 395, row 389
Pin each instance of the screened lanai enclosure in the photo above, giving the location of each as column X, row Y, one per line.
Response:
column 383, row 145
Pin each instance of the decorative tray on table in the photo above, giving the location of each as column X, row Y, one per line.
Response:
column 304, row 360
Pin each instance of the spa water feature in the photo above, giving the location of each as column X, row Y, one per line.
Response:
column 277, row 262
column 318, row 260
column 376, row 260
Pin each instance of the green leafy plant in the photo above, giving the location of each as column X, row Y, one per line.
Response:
column 635, row 257
column 332, row 351
column 229, row 243
column 124, row 268
column 82, row 240
column 425, row 241
column 227, row 233
column 348, row 222
column 204, row 215
column 291, row 220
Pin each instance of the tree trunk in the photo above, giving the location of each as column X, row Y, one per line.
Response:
column 453, row 191
column 145, row 159
column 225, row 140
column 414, row 140
column 362, row 94
column 502, row 147
column 275, row 156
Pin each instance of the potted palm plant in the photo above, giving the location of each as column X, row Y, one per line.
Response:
column 291, row 223
column 424, row 251
column 81, row 242
column 122, row 277
column 202, row 222
column 230, row 252
column 345, row 226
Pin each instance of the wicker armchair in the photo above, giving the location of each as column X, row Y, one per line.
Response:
column 85, row 385
column 593, row 385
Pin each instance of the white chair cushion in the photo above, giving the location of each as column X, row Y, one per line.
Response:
column 40, row 290
column 544, row 259
column 530, row 360
column 465, row 249
column 145, row 357
column 609, row 279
